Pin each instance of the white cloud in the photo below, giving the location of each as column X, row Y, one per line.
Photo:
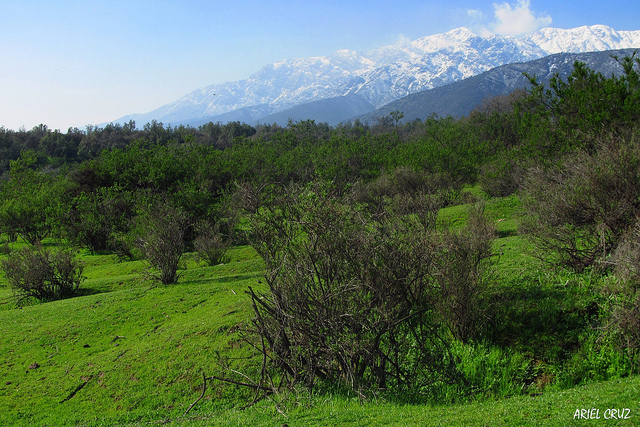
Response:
column 517, row 19
column 402, row 41
column 475, row 14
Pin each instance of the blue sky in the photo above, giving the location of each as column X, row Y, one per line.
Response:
column 73, row 63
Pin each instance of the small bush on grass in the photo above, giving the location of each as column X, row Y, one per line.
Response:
column 34, row 272
column 463, row 276
column 161, row 235
column 211, row 244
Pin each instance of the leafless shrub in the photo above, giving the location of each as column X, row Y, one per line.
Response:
column 161, row 232
column 408, row 191
column 578, row 213
column 352, row 290
column 626, row 258
column 35, row 272
column 627, row 319
column 463, row 276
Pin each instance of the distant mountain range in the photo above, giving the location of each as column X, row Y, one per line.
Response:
column 459, row 98
column 351, row 84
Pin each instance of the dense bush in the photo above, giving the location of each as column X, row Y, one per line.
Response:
column 97, row 219
column 352, row 290
column 35, row 272
column 31, row 200
column 577, row 213
column 502, row 176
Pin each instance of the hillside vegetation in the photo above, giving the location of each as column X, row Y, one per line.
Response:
column 466, row 271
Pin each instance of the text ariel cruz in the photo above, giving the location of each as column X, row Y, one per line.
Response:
column 607, row 414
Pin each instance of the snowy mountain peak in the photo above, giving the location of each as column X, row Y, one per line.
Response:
column 584, row 39
column 451, row 39
column 382, row 75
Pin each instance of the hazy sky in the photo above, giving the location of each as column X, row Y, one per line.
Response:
column 73, row 63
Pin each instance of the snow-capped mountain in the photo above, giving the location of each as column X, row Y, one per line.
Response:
column 380, row 76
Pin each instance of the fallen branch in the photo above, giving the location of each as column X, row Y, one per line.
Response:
column 77, row 389
column 229, row 380
column 204, row 389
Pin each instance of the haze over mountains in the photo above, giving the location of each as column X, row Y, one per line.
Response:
column 348, row 84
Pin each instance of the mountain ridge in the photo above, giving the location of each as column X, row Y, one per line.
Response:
column 458, row 99
column 380, row 76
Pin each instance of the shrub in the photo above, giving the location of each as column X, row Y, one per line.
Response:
column 30, row 201
column 5, row 249
column 96, row 219
column 579, row 212
column 161, row 233
column 502, row 176
column 211, row 244
column 625, row 320
column 34, row 272
column 463, row 275
column 352, row 290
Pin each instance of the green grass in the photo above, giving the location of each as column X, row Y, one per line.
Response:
column 131, row 352
column 128, row 350
column 549, row 409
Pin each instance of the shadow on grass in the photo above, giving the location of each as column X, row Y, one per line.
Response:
column 83, row 292
column 541, row 320
column 221, row 280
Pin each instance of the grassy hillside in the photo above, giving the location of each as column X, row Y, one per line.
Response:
column 128, row 350
column 131, row 352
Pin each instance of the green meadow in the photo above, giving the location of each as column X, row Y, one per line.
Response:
column 130, row 351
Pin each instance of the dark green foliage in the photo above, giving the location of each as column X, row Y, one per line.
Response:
column 502, row 176
column 31, row 201
column 98, row 219
column 211, row 244
column 35, row 272
column 575, row 113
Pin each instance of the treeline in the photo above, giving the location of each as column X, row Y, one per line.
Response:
column 56, row 148
column 88, row 186
column 345, row 217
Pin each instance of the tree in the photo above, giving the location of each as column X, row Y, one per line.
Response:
column 96, row 219
column 576, row 112
column 30, row 201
